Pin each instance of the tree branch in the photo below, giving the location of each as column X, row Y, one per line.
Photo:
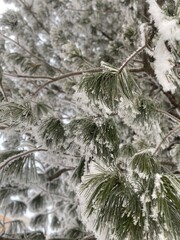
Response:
column 34, row 16
column 8, row 238
column 29, row 53
column 164, row 139
column 78, row 73
column 28, row 76
column 39, row 77
column 59, row 173
column 7, row 161
column 168, row 115
column 131, row 57
column 71, row 74
column 90, row 237
column 172, row 99
column 3, row 91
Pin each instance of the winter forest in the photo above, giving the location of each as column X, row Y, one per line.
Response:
column 90, row 120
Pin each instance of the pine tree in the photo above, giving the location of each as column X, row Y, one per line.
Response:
column 90, row 119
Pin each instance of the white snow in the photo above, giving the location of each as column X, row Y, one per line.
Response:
column 168, row 27
column 168, row 30
column 163, row 66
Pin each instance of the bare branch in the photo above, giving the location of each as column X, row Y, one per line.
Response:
column 28, row 76
column 71, row 74
column 59, row 173
column 131, row 57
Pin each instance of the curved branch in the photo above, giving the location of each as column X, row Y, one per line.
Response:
column 34, row 16
column 71, row 74
column 164, row 139
column 59, row 173
column 131, row 57
column 7, row 161
column 28, row 52
column 27, row 76
column 78, row 73
column 168, row 115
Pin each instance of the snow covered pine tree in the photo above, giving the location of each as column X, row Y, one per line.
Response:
column 89, row 120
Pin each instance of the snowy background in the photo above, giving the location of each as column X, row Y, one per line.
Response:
column 4, row 7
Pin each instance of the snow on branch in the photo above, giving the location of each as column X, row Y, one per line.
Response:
column 17, row 156
column 163, row 66
column 168, row 32
column 168, row 27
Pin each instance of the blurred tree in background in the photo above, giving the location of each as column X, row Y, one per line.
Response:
column 90, row 120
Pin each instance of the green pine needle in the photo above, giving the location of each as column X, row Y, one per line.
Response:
column 52, row 131
column 108, row 87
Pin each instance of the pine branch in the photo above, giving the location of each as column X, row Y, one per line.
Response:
column 39, row 77
column 78, row 73
column 6, row 162
column 105, row 34
column 1, row 85
column 139, row 50
column 164, row 139
column 3, row 91
column 171, row 164
column 71, row 74
column 59, row 173
column 9, row 238
column 90, row 237
column 17, row 44
column 28, row 52
column 172, row 99
column 65, row 198
column 34, row 16
column 28, row 76
column 168, row 115
column 94, row 10
column 150, row 71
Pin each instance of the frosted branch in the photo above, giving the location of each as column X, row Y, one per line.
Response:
column 169, row 115
column 71, row 74
column 131, row 57
column 28, row 52
column 59, row 173
column 7, row 161
column 164, row 139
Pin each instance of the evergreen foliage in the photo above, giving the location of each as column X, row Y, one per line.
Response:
column 90, row 120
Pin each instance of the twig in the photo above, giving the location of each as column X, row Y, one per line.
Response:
column 21, row 155
column 92, row 10
column 34, row 16
column 90, row 237
column 27, row 51
column 172, row 99
column 59, row 173
column 131, row 56
column 168, row 115
column 39, row 77
column 164, row 139
column 3, row 92
column 28, row 76
column 71, row 74
column 17, row 44
column 65, row 198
